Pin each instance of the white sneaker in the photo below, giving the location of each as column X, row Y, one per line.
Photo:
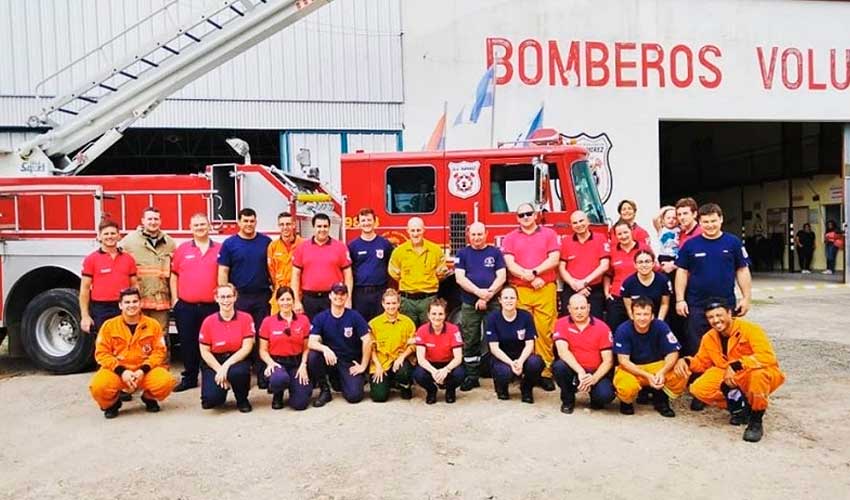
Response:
column 805, row 271
column 826, row 271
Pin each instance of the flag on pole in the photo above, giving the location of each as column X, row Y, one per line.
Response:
column 483, row 94
column 459, row 117
column 536, row 123
column 437, row 141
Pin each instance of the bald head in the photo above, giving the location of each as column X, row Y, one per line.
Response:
column 416, row 230
column 579, row 223
column 579, row 308
column 477, row 235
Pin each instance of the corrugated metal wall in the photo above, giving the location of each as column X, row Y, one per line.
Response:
column 345, row 60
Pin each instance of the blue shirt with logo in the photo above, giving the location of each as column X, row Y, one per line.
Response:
column 370, row 259
column 343, row 335
column 660, row 287
column 711, row 266
column 247, row 261
column 511, row 335
column 480, row 267
column 649, row 347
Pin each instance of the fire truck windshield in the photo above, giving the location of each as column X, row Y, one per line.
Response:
column 587, row 196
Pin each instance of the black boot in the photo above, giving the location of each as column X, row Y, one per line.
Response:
column 431, row 397
column 627, row 408
column 277, row 400
column 325, row 396
column 502, row 392
column 569, row 405
column 644, row 396
column 112, row 411
column 451, row 396
column 754, row 430
column 151, row 406
column 661, row 402
column 527, row 393
column 469, row 383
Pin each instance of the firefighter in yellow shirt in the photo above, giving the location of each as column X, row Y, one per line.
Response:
column 418, row 265
column 392, row 350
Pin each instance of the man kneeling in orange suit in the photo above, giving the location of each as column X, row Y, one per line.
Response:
column 131, row 352
column 737, row 366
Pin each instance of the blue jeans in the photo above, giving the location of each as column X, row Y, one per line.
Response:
column 831, row 256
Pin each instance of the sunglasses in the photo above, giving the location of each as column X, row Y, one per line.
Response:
column 522, row 215
column 288, row 331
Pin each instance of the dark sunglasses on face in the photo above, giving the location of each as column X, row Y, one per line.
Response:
column 524, row 214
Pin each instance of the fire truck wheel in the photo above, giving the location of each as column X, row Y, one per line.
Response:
column 51, row 333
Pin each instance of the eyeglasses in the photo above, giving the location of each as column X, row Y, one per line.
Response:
column 522, row 215
column 643, row 262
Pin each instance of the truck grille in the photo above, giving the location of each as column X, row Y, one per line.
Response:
column 457, row 231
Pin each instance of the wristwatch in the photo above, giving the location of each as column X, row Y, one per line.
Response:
column 534, row 272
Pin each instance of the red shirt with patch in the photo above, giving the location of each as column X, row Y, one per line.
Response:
column 197, row 273
column 285, row 338
column 622, row 266
column 586, row 345
column 108, row 276
column 226, row 336
column 438, row 347
column 583, row 258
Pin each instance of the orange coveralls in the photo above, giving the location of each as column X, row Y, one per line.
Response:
column 116, row 346
column 279, row 256
column 748, row 344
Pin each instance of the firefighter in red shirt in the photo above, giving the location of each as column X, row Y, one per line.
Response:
column 585, row 258
column 132, row 355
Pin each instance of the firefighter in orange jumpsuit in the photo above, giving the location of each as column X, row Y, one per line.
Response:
column 131, row 352
column 280, row 253
column 737, row 366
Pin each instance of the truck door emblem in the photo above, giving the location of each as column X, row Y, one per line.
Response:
column 464, row 181
column 599, row 149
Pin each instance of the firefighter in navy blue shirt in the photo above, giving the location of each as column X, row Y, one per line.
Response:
column 510, row 334
column 339, row 341
column 370, row 256
column 709, row 265
column 647, row 352
column 647, row 283
column 480, row 272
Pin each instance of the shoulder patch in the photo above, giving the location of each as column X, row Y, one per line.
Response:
column 672, row 338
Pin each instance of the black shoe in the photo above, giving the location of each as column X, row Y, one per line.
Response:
column 324, row 398
column 527, row 396
column 431, row 398
column 262, row 384
column 569, row 407
column 185, row 385
column 277, row 401
column 644, row 396
column 206, row 405
column 754, row 430
column 739, row 419
column 547, row 384
column 502, row 393
column 596, row 406
column 125, row 396
column 627, row 408
column 661, row 402
column 112, row 411
column 406, row 393
column 244, row 406
column 451, row 396
column 697, row 405
column 469, row 383
column 151, row 406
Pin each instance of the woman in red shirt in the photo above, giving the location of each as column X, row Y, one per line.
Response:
column 628, row 210
column 622, row 266
column 439, row 351
column 226, row 339
column 283, row 347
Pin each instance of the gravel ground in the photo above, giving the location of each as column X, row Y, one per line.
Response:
column 56, row 443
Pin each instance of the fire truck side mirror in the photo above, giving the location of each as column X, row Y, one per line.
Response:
column 541, row 181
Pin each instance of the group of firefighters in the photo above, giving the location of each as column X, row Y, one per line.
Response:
column 317, row 313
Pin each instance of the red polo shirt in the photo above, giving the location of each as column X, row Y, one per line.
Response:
column 438, row 347
column 683, row 236
column 583, row 258
column 226, row 336
column 586, row 345
column 197, row 273
column 529, row 250
column 285, row 338
column 321, row 265
column 108, row 275
column 622, row 266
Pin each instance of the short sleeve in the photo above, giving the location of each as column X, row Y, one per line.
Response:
column 457, row 338
column 605, row 339
column 552, row 244
column 500, row 259
column 344, row 256
column 490, row 327
column 298, row 258
column 88, row 266
column 133, row 270
column 419, row 339
column 530, row 329
column 667, row 339
column 224, row 255
column 361, row 328
column 667, row 287
column 176, row 260
column 684, row 258
column 742, row 259
column 205, row 333
column 508, row 244
column 317, row 328
column 248, row 329
column 622, row 341
column 461, row 259
column 265, row 328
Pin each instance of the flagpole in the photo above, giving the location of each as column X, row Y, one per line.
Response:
column 493, row 111
column 445, row 125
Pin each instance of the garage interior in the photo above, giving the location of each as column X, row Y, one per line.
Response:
column 763, row 175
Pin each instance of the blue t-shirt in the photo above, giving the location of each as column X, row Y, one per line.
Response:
column 480, row 267
column 648, row 347
column 247, row 261
column 711, row 266
column 369, row 260
column 343, row 334
column 511, row 335
column 660, row 287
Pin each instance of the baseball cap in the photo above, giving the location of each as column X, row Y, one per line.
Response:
column 339, row 287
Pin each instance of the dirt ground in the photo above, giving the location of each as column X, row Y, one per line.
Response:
column 56, row 444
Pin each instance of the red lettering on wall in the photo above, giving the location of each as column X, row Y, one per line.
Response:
column 504, row 59
column 674, row 66
column 654, row 63
column 620, row 64
column 592, row 63
column 786, row 66
column 813, row 85
column 767, row 73
column 534, row 45
column 710, row 83
column 833, row 70
column 557, row 67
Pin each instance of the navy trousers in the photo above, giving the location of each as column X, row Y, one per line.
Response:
column 189, row 317
column 351, row 385
column 567, row 379
column 424, row 379
column 239, row 377
column 284, row 378
column 257, row 305
column 531, row 370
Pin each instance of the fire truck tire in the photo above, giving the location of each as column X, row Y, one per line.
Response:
column 51, row 335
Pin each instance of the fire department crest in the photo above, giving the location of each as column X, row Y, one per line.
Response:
column 147, row 348
column 520, row 334
column 379, row 253
column 598, row 149
column 464, row 181
column 348, row 331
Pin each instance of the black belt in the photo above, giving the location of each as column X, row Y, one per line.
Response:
column 369, row 288
column 288, row 361
column 417, row 295
column 317, row 295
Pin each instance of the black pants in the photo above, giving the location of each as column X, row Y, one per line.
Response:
column 315, row 302
column 257, row 305
column 189, row 317
column 601, row 393
column 805, row 255
column 100, row 312
column 596, row 300
column 238, row 376
column 367, row 301
column 615, row 312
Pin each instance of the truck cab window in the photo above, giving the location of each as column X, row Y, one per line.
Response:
column 587, row 196
column 410, row 190
column 513, row 184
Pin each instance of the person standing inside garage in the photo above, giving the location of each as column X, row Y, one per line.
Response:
column 831, row 245
column 805, row 242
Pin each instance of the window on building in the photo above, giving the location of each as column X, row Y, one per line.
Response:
column 511, row 185
column 410, row 190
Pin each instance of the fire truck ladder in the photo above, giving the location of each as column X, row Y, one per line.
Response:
column 104, row 106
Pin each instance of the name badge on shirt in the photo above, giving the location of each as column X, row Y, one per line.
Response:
column 520, row 334
column 700, row 254
column 617, row 262
column 277, row 332
column 362, row 252
column 106, row 270
column 221, row 342
column 190, row 256
column 348, row 331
